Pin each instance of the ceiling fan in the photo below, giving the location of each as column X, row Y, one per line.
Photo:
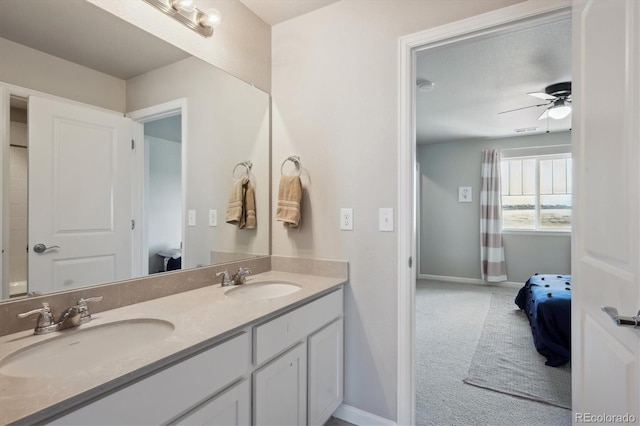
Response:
column 559, row 101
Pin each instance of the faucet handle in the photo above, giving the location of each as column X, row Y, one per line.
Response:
column 45, row 319
column 84, row 301
column 42, row 311
column 226, row 278
column 82, row 307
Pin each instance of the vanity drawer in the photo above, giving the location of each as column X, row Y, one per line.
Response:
column 280, row 333
column 168, row 393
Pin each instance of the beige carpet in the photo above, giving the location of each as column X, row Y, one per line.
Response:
column 506, row 359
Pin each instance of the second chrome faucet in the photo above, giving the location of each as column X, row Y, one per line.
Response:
column 73, row 316
column 235, row 279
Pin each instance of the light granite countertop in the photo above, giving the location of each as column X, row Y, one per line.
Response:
column 200, row 317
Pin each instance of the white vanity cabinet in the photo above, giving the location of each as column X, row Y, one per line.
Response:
column 168, row 394
column 280, row 390
column 285, row 370
column 231, row 408
column 325, row 367
column 299, row 358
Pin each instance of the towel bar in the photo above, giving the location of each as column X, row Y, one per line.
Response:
column 247, row 165
column 295, row 160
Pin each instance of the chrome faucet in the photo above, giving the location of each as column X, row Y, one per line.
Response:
column 74, row 316
column 241, row 276
column 235, row 279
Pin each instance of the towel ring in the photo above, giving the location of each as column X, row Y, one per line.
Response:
column 295, row 160
column 247, row 165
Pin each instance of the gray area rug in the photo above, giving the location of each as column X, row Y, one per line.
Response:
column 507, row 361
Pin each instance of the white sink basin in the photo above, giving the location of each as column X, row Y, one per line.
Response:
column 78, row 351
column 262, row 290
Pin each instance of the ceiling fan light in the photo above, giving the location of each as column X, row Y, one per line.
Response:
column 560, row 110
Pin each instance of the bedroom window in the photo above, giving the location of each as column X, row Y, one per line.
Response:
column 536, row 193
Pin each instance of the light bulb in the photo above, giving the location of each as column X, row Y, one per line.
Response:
column 210, row 18
column 560, row 110
column 183, row 5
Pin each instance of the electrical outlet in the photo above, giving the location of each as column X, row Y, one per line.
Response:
column 346, row 219
column 213, row 217
column 385, row 216
column 192, row 218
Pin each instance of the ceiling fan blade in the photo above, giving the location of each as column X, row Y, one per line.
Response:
column 545, row 114
column 541, row 95
column 518, row 109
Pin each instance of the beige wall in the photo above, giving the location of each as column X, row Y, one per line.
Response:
column 334, row 89
column 227, row 123
column 241, row 45
column 32, row 69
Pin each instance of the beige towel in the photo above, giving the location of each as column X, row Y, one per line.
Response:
column 241, row 209
column 289, row 197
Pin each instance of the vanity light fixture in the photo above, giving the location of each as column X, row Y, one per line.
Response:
column 188, row 14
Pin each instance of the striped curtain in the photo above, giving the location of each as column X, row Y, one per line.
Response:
column 493, row 266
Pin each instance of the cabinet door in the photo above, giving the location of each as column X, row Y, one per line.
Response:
column 325, row 372
column 280, row 390
column 230, row 408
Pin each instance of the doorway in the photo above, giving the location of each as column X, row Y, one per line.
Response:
column 160, row 173
column 163, row 193
column 407, row 221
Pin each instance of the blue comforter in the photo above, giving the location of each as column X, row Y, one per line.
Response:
column 546, row 299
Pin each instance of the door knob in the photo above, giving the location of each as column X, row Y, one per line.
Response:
column 620, row 320
column 41, row 248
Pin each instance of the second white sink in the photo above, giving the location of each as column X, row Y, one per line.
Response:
column 262, row 290
column 77, row 351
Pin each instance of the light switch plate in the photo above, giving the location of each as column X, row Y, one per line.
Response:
column 346, row 219
column 192, row 218
column 213, row 217
column 385, row 216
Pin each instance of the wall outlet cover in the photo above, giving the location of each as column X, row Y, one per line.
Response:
column 346, row 219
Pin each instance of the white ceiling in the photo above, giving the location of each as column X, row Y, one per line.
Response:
column 474, row 79
column 80, row 32
column 275, row 11
column 477, row 79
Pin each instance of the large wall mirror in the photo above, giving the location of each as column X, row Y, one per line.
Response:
column 120, row 152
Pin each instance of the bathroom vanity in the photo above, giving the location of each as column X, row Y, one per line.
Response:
column 215, row 355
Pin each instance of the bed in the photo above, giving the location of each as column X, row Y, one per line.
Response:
column 546, row 299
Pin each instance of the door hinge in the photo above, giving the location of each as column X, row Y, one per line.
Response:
column 410, row 262
column 133, row 224
column 133, row 144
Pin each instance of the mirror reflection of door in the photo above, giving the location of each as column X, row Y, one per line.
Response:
column 80, row 204
column 163, row 193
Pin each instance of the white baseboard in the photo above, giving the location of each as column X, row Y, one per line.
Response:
column 360, row 417
column 476, row 281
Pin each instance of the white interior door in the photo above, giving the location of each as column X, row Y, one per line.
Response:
column 606, row 241
column 79, row 195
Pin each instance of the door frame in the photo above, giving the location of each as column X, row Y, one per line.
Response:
column 407, row 238
column 139, row 117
